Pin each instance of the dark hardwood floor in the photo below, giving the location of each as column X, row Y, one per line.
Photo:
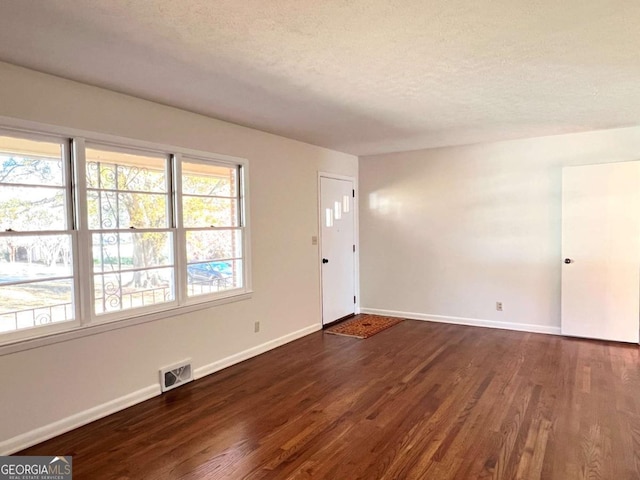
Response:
column 418, row 401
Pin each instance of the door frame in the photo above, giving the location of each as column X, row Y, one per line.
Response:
column 356, row 238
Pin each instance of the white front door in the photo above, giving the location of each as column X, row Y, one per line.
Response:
column 601, row 251
column 337, row 248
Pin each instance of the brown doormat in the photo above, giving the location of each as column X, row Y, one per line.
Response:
column 363, row 326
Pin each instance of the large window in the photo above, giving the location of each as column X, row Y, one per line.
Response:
column 36, row 253
column 212, row 221
column 129, row 217
column 112, row 232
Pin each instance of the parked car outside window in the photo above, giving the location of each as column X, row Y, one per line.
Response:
column 209, row 272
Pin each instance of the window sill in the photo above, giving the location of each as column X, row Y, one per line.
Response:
column 95, row 329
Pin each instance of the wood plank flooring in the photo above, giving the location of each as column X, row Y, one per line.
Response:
column 417, row 401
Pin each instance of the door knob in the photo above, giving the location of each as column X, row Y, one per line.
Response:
column 325, row 260
column 568, row 260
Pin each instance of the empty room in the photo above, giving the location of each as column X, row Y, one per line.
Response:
column 319, row 240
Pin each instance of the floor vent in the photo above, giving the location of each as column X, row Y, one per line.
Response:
column 176, row 375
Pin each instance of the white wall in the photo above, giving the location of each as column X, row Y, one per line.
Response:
column 61, row 382
column 446, row 233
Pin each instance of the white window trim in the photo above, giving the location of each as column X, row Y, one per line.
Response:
column 82, row 326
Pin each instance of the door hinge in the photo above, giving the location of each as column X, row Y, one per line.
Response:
column 354, row 299
column 354, row 248
column 353, row 193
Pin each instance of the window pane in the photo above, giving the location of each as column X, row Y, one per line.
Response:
column 143, row 210
column 212, row 277
column 209, row 212
column 328, row 217
column 213, row 245
column 337, row 207
column 35, row 257
column 102, row 208
column 33, row 196
column 132, row 289
column 108, row 210
column 32, row 208
column 125, row 251
column 208, row 179
column 123, row 171
column 34, row 304
column 30, row 162
column 101, row 175
column 346, row 202
column 214, row 256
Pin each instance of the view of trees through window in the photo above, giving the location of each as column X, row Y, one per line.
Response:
column 139, row 230
column 211, row 218
column 36, row 273
column 128, row 193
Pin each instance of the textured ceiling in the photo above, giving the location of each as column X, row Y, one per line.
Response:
column 359, row 76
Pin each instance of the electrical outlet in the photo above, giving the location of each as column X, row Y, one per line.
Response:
column 256, row 327
column 499, row 306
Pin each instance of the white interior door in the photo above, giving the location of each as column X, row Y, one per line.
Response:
column 601, row 251
column 337, row 248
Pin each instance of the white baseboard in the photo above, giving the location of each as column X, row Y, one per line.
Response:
column 252, row 352
column 33, row 437
column 54, row 429
column 473, row 322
